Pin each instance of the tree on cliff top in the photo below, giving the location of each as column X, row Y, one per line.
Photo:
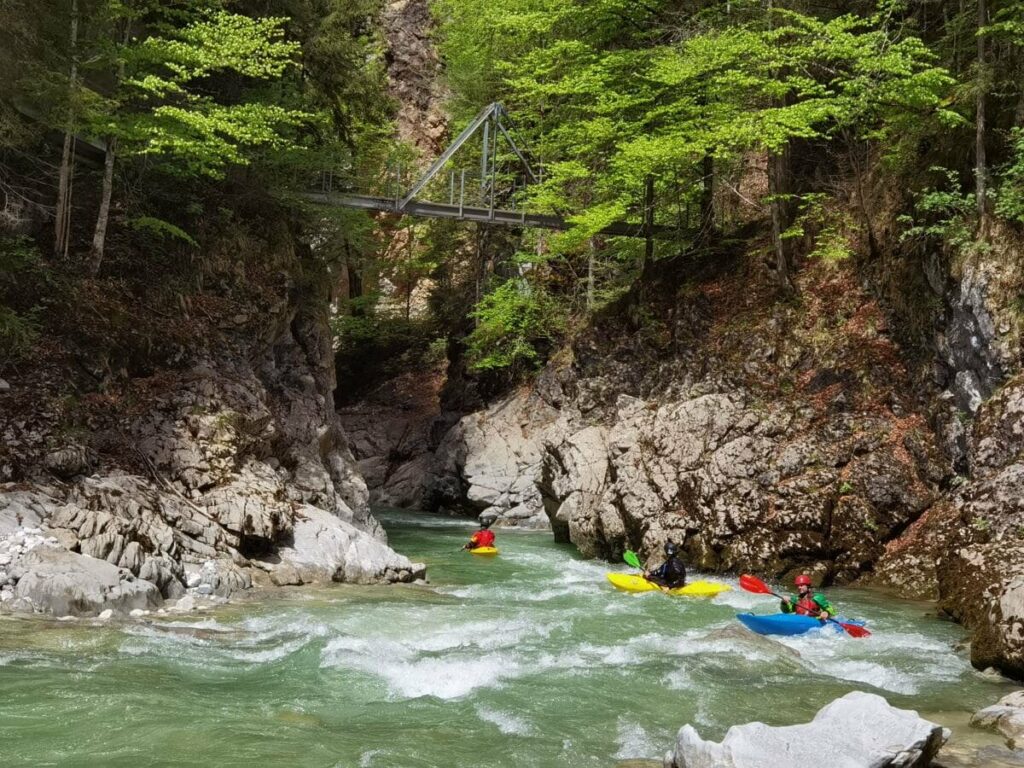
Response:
column 609, row 93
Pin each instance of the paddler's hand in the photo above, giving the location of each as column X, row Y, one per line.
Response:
column 824, row 616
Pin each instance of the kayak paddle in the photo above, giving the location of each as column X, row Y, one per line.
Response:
column 755, row 585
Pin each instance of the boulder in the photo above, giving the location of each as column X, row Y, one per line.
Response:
column 19, row 508
column 326, row 548
column 859, row 730
column 1006, row 717
column 62, row 583
column 492, row 460
column 285, row 575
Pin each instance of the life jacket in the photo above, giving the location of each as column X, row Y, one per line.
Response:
column 810, row 605
column 482, row 538
column 806, row 606
column 671, row 573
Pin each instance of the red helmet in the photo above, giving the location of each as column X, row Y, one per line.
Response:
column 803, row 580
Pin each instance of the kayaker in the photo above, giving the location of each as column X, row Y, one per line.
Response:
column 484, row 537
column 672, row 572
column 808, row 603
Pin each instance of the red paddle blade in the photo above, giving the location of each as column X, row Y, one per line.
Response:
column 754, row 584
column 853, row 630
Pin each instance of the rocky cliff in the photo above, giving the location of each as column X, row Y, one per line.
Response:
column 207, row 474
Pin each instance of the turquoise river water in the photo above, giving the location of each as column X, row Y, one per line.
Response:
column 528, row 659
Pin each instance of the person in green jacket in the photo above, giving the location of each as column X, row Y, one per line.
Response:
column 808, row 603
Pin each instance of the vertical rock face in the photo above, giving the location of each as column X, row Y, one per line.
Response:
column 413, row 74
column 221, row 463
column 490, row 462
column 977, row 542
column 968, row 551
column 755, row 435
column 391, row 433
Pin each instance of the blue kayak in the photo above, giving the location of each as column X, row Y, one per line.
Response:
column 787, row 623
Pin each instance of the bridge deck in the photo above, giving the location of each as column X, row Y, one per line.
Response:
column 471, row 213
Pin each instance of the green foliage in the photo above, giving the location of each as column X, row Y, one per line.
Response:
column 20, row 267
column 828, row 227
column 511, row 322
column 944, row 213
column 18, row 333
column 160, row 228
column 1010, row 196
column 608, row 93
column 164, row 108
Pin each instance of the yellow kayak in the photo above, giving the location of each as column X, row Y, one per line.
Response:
column 491, row 551
column 630, row 582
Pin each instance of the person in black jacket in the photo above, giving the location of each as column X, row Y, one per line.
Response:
column 672, row 572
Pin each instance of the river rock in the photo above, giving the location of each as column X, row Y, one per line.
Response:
column 954, row 755
column 326, row 548
column 184, row 605
column 59, row 582
column 1006, row 717
column 19, row 508
column 285, row 575
column 859, row 730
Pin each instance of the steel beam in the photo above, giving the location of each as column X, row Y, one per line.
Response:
column 478, row 214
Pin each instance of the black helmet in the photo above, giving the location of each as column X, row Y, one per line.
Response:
column 487, row 522
column 670, row 548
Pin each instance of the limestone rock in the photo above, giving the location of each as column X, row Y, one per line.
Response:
column 285, row 575
column 68, row 461
column 326, row 548
column 19, row 508
column 1006, row 717
column 954, row 755
column 492, row 460
column 62, row 583
column 859, row 730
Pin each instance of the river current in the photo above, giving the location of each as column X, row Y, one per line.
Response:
column 527, row 659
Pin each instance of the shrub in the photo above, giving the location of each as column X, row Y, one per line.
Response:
column 511, row 323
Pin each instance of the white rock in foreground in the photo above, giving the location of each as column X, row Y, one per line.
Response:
column 859, row 730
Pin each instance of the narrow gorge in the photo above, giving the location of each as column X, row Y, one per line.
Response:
column 262, row 372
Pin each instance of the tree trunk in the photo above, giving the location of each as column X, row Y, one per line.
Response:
column 99, row 236
column 778, row 187
column 980, row 163
column 707, row 198
column 62, row 218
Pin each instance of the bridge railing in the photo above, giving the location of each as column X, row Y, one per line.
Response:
column 458, row 187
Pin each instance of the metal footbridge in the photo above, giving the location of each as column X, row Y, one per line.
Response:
column 496, row 193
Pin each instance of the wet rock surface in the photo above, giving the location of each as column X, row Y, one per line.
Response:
column 857, row 730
